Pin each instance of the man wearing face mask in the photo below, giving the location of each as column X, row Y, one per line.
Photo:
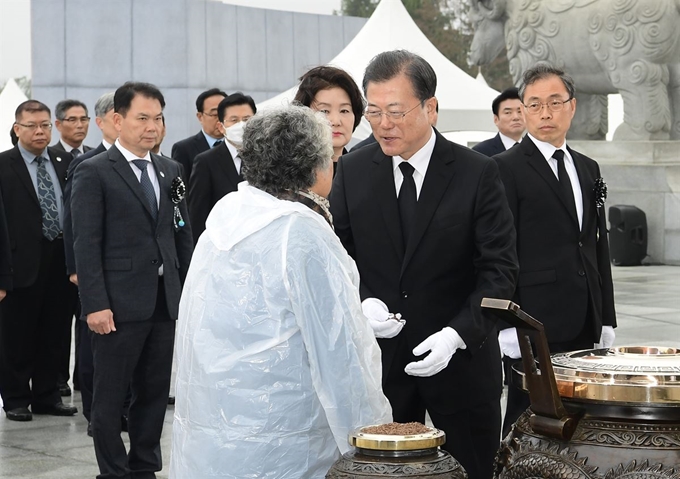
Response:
column 217, row 172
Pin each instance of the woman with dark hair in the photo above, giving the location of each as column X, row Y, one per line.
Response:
column 276, row 363
column 333, row 91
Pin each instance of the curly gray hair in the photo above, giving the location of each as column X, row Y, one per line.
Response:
column 283, row 148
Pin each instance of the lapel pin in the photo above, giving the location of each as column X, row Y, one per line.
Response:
column 58, row 158
column 162, row 174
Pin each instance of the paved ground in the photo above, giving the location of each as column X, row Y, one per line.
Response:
column 647, row 303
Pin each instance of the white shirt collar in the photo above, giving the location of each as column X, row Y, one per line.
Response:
column 547, row 149
column 69, row 148
column 232, row 149
column 129, row 156
column 420, row 159
column 507, row 141
column 106, row 144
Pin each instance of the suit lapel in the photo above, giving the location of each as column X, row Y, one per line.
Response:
column 538, row 162
column 164, row 185
column 60, row 165
column 19, row 167
column 226, row 162
column 383, row 185
column 437, row 178
column 123, row 168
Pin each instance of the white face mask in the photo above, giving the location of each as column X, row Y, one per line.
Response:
column 234, row 134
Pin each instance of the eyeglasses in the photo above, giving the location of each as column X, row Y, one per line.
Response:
column 211, row 115
column 234, row 119
column 553, row 105
column 34, row 126
column 375, row 116
column 75, row 119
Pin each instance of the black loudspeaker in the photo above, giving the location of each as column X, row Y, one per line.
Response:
column 627, row 235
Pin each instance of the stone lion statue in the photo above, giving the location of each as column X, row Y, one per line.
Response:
column 627, row 46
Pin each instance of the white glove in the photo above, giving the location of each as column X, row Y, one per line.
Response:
column 507, row 340
column 380, row 319
column 442, row 345
column 607, row 338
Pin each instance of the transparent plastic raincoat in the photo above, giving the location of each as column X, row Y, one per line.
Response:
column 276, row 363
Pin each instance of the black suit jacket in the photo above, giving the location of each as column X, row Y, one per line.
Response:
column 490, row 147
column 184, row 152
column 562, row 268
column 68, row 225
column 118, row 245
column 22, row 212
column 461, row 250
column 60, row 147
column 214, row 175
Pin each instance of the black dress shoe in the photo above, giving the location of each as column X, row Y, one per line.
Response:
column 64, row 390
column 19, row 414
column 59, row 409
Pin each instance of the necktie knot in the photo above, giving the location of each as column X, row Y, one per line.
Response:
column 75, row 153
column 141, row 164
column 558, row 155
column 40, row 160
column 218, row 142
column 406, row 169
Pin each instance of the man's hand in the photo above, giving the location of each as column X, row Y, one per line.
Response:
column 606, row 338
column 3, row 293
column 379, row 318
column 73, row 279
column 101, row 322
column 442, row 345
column 507, row 340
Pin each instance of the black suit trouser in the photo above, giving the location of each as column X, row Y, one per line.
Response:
column 34, row 321
column 139, row 355
column 472, row 433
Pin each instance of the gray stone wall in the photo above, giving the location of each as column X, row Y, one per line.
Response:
column 647, row 175
column 84, row 48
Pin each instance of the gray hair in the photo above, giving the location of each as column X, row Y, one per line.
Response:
column 283, row 148
column 104, row 104
column 541, row 71
column 387, row 65
column 64, row 105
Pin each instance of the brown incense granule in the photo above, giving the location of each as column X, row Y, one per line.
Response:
column 397, row 429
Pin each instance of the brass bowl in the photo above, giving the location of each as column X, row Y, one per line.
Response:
column 392, row 442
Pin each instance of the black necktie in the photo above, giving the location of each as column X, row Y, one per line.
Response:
column 217, row 143
column 147, row 187
column 565, row 182
column 407, row 200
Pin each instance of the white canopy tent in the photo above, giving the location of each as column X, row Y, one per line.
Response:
column 464, row 102
column 10, row 98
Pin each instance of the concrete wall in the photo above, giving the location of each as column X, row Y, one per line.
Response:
column 646, row 175
column 84, row 48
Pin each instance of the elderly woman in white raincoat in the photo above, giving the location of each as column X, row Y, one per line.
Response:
column 276, row 363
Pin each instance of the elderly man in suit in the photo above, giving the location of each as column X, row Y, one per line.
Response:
column 131, row 259
column 184, row 151
column 217, row 171
column 429, row 227
column 36, row 314
column 507, row 116
column 565, row 277
column 73, row 124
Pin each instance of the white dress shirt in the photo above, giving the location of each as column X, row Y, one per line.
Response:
column 507, row 141
column 419, row 161
column 70, row 149
column 129, row 156
column 234, row 156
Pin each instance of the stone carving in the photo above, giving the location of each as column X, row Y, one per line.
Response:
column 607, row 46
column 354, row 466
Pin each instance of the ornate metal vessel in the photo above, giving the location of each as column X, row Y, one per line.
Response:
column 401, row 456
column 595, row 414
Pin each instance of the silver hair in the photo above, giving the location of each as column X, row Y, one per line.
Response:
column 64, row 105
column 541, row 71
column 283, row 148
column 104, row 104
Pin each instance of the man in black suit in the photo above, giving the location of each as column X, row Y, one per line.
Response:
column 36, row 314
column 184, row 151
column 565, row 277
column 217, row 172
column 429, row 227
column 507, row 115
column 131, row 260
column 73, row 123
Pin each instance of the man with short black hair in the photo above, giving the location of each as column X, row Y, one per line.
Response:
column 36, row 314
column 217, row 172
column 132, row 253
column 508, row 118
column 73, row 123
column 184, row 151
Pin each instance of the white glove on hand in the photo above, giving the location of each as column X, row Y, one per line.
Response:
column 507, row 340
column 442, row 345
column 607, row 338
column 379, row 318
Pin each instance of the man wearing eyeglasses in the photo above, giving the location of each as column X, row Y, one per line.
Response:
column 565, row 277
column 217, row 172
column 429, row 227
column 72, row 123
column 184, row 151
column 36, row 313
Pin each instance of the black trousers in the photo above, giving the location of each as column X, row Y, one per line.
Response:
column 472, row 433
column 138, row 355
column 34, row 321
